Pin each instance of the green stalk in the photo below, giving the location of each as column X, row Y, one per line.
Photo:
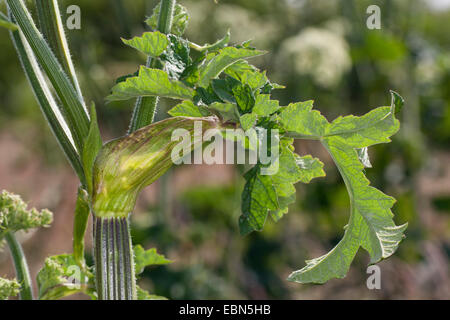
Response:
column 114, row 260
column 53, row 30
column 21, row 266
column 145, row 107
column 75, row 110
column 46, row 101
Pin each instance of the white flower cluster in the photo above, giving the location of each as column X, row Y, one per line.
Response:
column 319, row 53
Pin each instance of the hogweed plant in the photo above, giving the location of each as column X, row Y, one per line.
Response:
column 217, row 89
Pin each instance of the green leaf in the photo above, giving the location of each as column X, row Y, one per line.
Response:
column 300, row 119
column 152, row 44
column 264, row 106
column 8, row 288
column 224, row 88
column 291, row 169
column 225, row 111
column 179, row 22
column 176, row 57
column 188, row 109
column 144, row 258
column 126, row 165
column 6, row 23
column 150, row 82
column 310, row 168
column 371, row 224
column 144, row 295
column 359, row 132
column 259, row 196
column 206, row 96
column 245, row 98
column 247, row 74
column 80, row 222
column 248, row 121
column 61, row 276
column 221, row 60
column 91, row 147
column 15, row 216
column 219, row 44
column 397, row 102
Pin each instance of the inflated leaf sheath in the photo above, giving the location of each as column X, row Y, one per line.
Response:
column 125, row 166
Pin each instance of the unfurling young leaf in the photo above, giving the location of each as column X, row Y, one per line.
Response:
column 179, row 23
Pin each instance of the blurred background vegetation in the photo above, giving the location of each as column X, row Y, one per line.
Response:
column 319, row 49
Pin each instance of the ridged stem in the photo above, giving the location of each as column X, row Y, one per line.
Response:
column 75, row 110
column 21, row 267
column 145, row 107
column 47, row 103
column 114, row 260
column 52, row 28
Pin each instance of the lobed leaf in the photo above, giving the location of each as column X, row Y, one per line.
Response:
column 144, row 258
column 300, row 119
column 150, row 82
column 221, row 60
column 61, row 276
column 152, row 44
column 277, row 185
column 371, row 224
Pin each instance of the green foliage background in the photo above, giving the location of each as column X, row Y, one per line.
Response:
column 318, row 49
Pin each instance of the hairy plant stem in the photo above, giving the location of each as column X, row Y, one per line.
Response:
column 75, row 110
column 145, row 107
column 47, row 103
column 114, row 260
column 21, row 267
column 52, row 28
